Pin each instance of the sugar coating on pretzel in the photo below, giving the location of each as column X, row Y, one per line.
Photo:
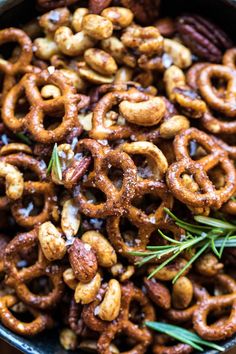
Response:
column 111, row 115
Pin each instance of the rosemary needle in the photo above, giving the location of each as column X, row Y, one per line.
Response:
column 54, row 164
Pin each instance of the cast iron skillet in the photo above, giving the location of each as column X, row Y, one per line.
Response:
column 15, row 12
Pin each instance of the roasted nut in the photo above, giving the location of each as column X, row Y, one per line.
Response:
column 166, row 26
column 87, row 292
column 208, row 265
column 97, row 27
column 12, row 148
column 168, row 272
column 74, row 78
column 182, row 293
column 110, row 306
column 88, row 74
column 69, row 278
column 72, row 44
column 83, row 261
column 77, row 18
column 158, row 293
column 118, row 51
column 119, row 16
column 68, row 339
column 45, row 48
column 146, row 113
column 50, row 91
column 51, row 241
column 173, row 126
column 145, row 11
column 85, row 120
column 124, row 273
column 14, row 180
column 70, row 218
column 123, row 75
column 173, row 77
column 66, row 155
column 105, row 253
column 100, row 61
column 52, row 20
column 181, row 56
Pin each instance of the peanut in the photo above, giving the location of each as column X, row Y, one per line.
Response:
column 110, row 306
column 70, row 218
column 51, row 241
column 182, row 293
column 97, row 27
column 69, row 278
column 86, row 292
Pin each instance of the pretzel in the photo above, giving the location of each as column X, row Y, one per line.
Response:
column 210, row 196
column 76, row 323
column 226, row 326
column 169, row 348
column 4, row 239
column 141, row 337
column 33, row 121
column 216, row 125
column 193, row 73
column 40, row 187
column 18, row 279
column 40, row 323
column 116, row 200
column 225, row 104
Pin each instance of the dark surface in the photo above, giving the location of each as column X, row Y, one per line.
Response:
column 221, row 11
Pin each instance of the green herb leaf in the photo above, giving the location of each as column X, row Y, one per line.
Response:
column 54, row 164
column 214, row 222
column 24, row 138
column 182, row 335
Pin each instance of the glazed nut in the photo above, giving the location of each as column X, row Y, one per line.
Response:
column 110, row 306
column 68, row 339
column 72, row 44
column 182, row 293
column 77, row 18
column 45, row 48
column 91, row 347
column 158, row 293
column 105, row 253
column 69, row 278
column 145, row 113
column 127, row 274
column 88, row 74
column 83, row 261
column 51, row 241
column 180, row 55
column 52, row 20
column 173, row 126
column 166, row 26
column 50, row 91
column 14, row 180
column 97, row 27
column 123, row 75
column 208, row 265
column 85, row 120
column 87, row 292
column 100, row 61
column 12, row 148
column 74, row 79
column 120, row 17
column 70, row 218
column 114, row 47
column 173, row 77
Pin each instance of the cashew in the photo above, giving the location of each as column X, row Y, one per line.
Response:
column 110, row 306
column 70, row 218
column 119, row 16
column 14, row 180
column 123, row 75
column 68, row 339
column 182, row 293
column 145, row 113
column 15, row 148
column 173, row 126
column 52, row 20
column 77, row 18
column 97, row 27
column 105, row 253
column 72, row 44
column 85, row 120
column 100, row 61
column 50, row 91
column 74, row 78
column 70, row 279
column 45, row 48
column 86, row 292
column 51, row 241
column 114, row 47
column 173, row 77
column 155, row 157
column 180, row 55
column 96, row 78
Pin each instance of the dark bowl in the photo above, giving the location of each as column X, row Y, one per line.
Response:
column 222, row 12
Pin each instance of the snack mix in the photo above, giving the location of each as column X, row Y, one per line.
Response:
column 118, row 183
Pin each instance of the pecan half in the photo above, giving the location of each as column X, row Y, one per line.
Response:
column 83, row 261
column 75, row 171
column 204, row 38
column 158, row 293
column 145, row 11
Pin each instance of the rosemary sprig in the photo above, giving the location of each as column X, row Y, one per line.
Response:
column 24, row 138
column 54, row 164
column 183, row 335
column 207, row 233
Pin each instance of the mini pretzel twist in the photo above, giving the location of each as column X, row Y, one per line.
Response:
column 40, row 187
column 18, row 279
column 140, row 336
column 40, row 323
column 116, row 200
column 210, row 196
